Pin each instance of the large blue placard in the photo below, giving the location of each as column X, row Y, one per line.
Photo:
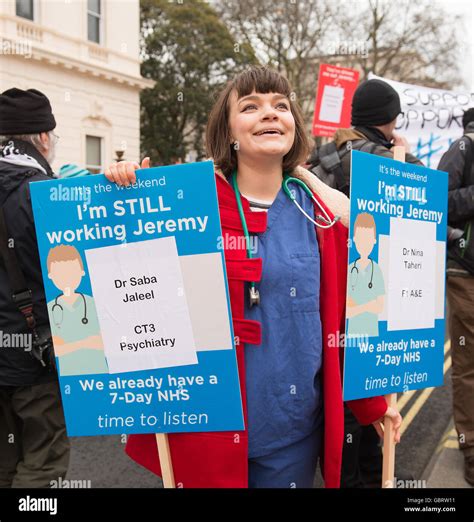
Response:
column 395, row 309
column 138, row 302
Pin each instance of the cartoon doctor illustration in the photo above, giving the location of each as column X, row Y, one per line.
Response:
column 74, row 323
column 365, row 288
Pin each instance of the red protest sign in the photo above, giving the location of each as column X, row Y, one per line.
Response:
column 336, row 86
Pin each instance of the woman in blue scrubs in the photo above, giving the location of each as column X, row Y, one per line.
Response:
column 283, row 374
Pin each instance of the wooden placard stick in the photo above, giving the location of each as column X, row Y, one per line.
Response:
column 388, row 468
column 165, row 460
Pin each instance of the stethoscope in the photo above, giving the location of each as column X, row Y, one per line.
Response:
column 357, row 273
column 84, row 320
column 326, row 221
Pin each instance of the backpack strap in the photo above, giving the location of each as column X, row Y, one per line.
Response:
column 360, row 145
column 330, row 161
column 369, row 147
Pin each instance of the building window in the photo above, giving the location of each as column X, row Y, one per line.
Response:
column 24, row 8
column 94, row 154
column 94, row 21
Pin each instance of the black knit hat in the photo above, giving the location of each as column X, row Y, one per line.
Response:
column 25, row 112
column 468, row 117
column 375, row 102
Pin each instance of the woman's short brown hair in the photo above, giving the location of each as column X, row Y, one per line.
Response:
column 261, row 80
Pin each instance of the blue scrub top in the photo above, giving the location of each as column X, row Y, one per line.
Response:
column 282, row 374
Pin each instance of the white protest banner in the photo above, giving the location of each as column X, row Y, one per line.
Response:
column 431, row 118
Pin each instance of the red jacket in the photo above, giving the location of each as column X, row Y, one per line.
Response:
column 219, row 459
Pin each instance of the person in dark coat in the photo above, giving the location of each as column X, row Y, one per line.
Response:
column 375, row 107
column 458, row 161
column 34, row 447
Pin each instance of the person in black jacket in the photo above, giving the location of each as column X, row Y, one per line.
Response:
column 34, row 448
column 375, row 107
column 458, row 161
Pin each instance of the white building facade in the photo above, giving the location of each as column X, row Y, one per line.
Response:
column 84, row 55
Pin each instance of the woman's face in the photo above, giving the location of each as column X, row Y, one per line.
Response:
column 262, row 125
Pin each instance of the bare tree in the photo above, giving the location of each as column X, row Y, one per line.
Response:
column 284, row 34
column 416, row 42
